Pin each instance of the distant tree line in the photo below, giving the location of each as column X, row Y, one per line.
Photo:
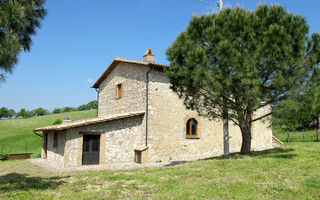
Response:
column 6, row 113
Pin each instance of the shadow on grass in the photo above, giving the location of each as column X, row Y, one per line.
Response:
column 21, row 182
column 172, row 163
column 270, row 153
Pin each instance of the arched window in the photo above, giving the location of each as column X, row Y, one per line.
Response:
column 191, row 128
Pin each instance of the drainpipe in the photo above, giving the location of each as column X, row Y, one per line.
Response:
column 35, row 132
column 97, row 90
column 147, row 104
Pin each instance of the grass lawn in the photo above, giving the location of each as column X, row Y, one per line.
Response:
column 289, row 173
column 16, row 135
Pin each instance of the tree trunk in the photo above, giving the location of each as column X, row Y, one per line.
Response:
column 246, row 137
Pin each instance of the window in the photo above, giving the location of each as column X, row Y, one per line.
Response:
column 119, row 91
column 191, row 128
column 55, row 139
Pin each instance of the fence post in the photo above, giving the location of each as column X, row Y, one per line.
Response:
column 288, row 136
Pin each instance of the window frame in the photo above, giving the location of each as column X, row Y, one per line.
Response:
column 190, row 135
column 119, row 90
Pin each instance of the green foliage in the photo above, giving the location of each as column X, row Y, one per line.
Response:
column 29, row 113
column 241, row 61
column 18, row 22
column 21, row 113
column 7, row 113
column 89, row 106
column 3, row 112
column 10, row 113
column 57, row 121
column 57, row 111
column 40, row 112
column 302, row 109
column 3, row 157
column 68, row 109
column 296, row 136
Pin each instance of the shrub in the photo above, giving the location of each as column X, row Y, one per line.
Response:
column 57, row 110
column 3, row 157
column 57, row 121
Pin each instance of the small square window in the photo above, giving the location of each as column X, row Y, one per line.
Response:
column 119, row 91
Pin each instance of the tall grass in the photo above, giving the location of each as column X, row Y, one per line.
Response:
column 298, row 136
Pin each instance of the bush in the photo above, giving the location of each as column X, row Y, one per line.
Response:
column 57, row 111
column 58, row 121
column 3, row 157
column 68, row 109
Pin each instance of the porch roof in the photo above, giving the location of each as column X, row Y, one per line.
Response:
column 89, row 121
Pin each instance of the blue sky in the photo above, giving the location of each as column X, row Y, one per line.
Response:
column 78, row 39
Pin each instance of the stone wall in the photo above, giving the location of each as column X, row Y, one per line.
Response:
column 56, row 154
column 133, row 78
column 261, row 134
column 167, row 129
column 118, row 140
column 168, row 117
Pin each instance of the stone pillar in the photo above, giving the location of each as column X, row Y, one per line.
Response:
column 66, row 150
column 103, row 149
column 79, row 157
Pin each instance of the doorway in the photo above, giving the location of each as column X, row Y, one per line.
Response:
column 91, row 150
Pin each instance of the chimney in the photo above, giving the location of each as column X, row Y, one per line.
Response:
column 66, row 119
column 148, row 56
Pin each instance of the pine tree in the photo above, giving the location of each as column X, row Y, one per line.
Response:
column 18, row 20
column 241, row 61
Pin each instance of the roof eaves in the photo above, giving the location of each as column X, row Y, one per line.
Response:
column 114, row 63
column 86, row 122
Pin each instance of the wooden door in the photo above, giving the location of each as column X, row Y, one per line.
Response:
column 91, row 150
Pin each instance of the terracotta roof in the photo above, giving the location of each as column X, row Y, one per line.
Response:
column 86, row 122
column 117, row 60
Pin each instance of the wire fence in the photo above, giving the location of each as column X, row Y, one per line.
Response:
column 15, row 149
column 298, row 136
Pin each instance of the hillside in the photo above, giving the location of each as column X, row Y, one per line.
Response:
column 16, row 135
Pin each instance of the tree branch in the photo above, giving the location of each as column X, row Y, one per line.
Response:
column 234, row 121
column 263, row 116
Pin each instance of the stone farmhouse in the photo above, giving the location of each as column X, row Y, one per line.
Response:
column 141, row 120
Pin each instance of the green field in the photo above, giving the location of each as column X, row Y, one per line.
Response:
column 289, row 173
column 16, row 135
